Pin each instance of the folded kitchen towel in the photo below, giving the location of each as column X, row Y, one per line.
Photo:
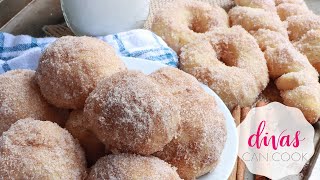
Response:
column 23, row 52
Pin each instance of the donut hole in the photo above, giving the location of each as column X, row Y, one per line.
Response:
column 198, row 26
column 226, row 53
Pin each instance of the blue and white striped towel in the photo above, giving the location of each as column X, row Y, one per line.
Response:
column 23, row 52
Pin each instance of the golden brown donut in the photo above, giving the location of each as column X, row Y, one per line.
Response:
column 270, row 39
column 33, row 149
column 130, row 112
column 300, row 25
column 20, row 98
column 181, row 22
column 268, row 5
column 253, row 19
column 309, row 45
column 286, row 10
column 92, row 146
column 285, row 59
column 71, row 67
column 132, row 167
column 198, row 147
column 230, row 62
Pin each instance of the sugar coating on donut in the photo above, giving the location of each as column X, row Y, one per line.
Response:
column 299, row 2
column 253, row 19
column 270, row 39
column 70, row 68
column 268, row 5
column 286, row 10
column 20, row 98
column 33, row 149
column 92, row 146
column 285, row 59
column 130, row 112
column 230, row 62
column 309, row 45
column 293, row 80
column 198, row 147
column 300, row 25
column 179, row 83
column 130, row 166
column 181, row 22
column 307, row 99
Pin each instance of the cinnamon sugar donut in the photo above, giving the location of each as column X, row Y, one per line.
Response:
column 309, row 45
column 71, row 67
column 299, row 2
column 270, row 39
column 20, row 98
column 130, row 167
column 230, row 62
column 198, row 147
column 33, row 149
column 268, row 5
column 181, row 22
column 130, row 112
column 253, row 19
column 92, row 146
column 286, row 10
column 300, row 25
column 285, row 59
column 179, row 83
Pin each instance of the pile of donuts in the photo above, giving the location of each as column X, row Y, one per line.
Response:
column 241, row 53
column 83, row 115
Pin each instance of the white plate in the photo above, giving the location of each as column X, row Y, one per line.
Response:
column 229, row 154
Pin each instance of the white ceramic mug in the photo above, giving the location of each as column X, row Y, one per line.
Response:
column 103, row 17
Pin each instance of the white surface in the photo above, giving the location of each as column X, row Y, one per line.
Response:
column 104, row 17
column 229, row 154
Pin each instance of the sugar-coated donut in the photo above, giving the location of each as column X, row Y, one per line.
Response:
column 299, row 2
column 130, row 112
column 270, row 39
column 130, row 166
column 181, row 22
column 230, row 62
column 253, row 19
column 33, row 149
column 306, row 98
column 198, row 147
column 70, row 68
column 92, row 146
column 309, row 45
column 177, row 82
column 287, row 10
column 285, row 59
column 20, row 98
column 300, row 25
column 293, row 80
column 268, row 5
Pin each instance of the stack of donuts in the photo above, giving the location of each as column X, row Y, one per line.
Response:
column 274, row 41
column 122, row 125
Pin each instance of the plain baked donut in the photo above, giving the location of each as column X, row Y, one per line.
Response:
column 132, row 167
column 230, row 62
column 130, row 112
column 181, row 22
column 71, row 67
column 253, row 19
column 20, row 98
column 33, row 149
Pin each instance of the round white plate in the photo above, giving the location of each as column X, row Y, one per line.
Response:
column 229, row 154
